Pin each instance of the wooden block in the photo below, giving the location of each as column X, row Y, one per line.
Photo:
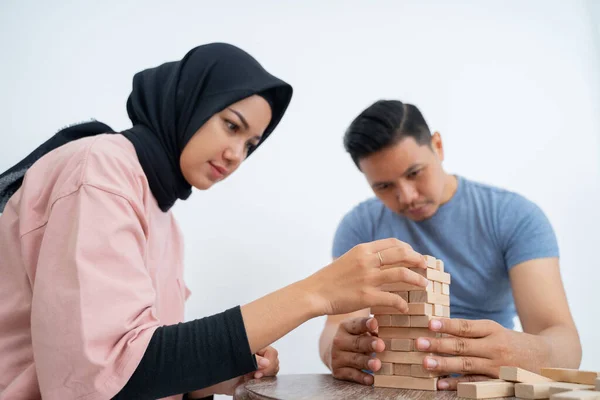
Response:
column 437, row 287
column 559, row 387
column 419, row 296
column 446, row 289
column 514, row 374
column 577, row 395
column 403, row 294
column 433, row 275
column 570, row 375
column 413, row 309
column 403, row 357
column 398, row 344
column 420, row 309
column 404, row 287
column 446, row 311
column 402, row 345
column 431, row 262
column 439, row 265
column 406, row 333
column 420, row 321
column 386, row 369
column 402, row 369
column 418, row 371
column 400, row 321
column 533, row 390
column 438, row 310
column 405, row 382
column 485, row 389
column 598, row 384
column 384, row 320
column 422, row 296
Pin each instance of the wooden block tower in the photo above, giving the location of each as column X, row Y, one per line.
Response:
column 402, row 364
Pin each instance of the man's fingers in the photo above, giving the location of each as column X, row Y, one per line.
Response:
column 343, row 359
column 452, row 383
column 360, row 325
column 358, row 343
column 353, row 375
column 457, row 346
column 464, row 327
column 459, row 365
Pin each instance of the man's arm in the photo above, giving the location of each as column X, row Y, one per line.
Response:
column 542, row 307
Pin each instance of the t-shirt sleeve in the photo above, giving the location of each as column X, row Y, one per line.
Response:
column 351, row 231
column 525, row 232
column 93, row 311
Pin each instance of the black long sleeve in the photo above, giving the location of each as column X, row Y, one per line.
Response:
column 190, row 356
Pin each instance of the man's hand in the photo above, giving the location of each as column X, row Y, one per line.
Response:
column 268, row 365
column 480, row 348
column 352, row 349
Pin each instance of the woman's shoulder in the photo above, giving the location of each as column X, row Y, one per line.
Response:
column 107, row 162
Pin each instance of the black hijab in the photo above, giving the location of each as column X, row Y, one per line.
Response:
column 167, row 105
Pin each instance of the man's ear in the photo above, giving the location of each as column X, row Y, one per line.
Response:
column 437, row 146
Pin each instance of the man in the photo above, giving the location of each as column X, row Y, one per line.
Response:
column 499, row 248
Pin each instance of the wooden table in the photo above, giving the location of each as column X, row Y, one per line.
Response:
column 324, row 386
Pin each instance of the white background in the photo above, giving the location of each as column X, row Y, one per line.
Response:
column 511, row 85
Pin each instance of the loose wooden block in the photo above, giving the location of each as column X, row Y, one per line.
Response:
column 420, row 321
column 402, row 345
column 433, row 275
column 514, row 374
column 576, row 395
column 422, row 296
column 446, row 289
column 404, row 287
column 418, row 371
column 406, row 382
column 598, row 384
column 402, row 369
column 384, row 320
column 400, row 321
column 413, row 309
column 439, row 265
column 386, row 369
column 406, row 333
column 559, row 387
column 399, row 344
column 431, row 262
column 485, row 389
column 403, row 294
column 437, row 287
column 570, row 375
column 403, row 357
column 533, row 390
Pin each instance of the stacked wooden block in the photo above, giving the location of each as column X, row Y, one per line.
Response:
column 552, row 383
column 402, row 364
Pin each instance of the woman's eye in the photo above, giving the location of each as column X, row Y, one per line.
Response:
column 231, row 126
column 250, row 146
column 414, row 174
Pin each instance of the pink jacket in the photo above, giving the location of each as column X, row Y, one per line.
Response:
column 89, row 268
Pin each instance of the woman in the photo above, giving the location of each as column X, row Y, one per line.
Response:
column 92, row 292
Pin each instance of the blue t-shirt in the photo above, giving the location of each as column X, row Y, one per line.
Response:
column 479, row 234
